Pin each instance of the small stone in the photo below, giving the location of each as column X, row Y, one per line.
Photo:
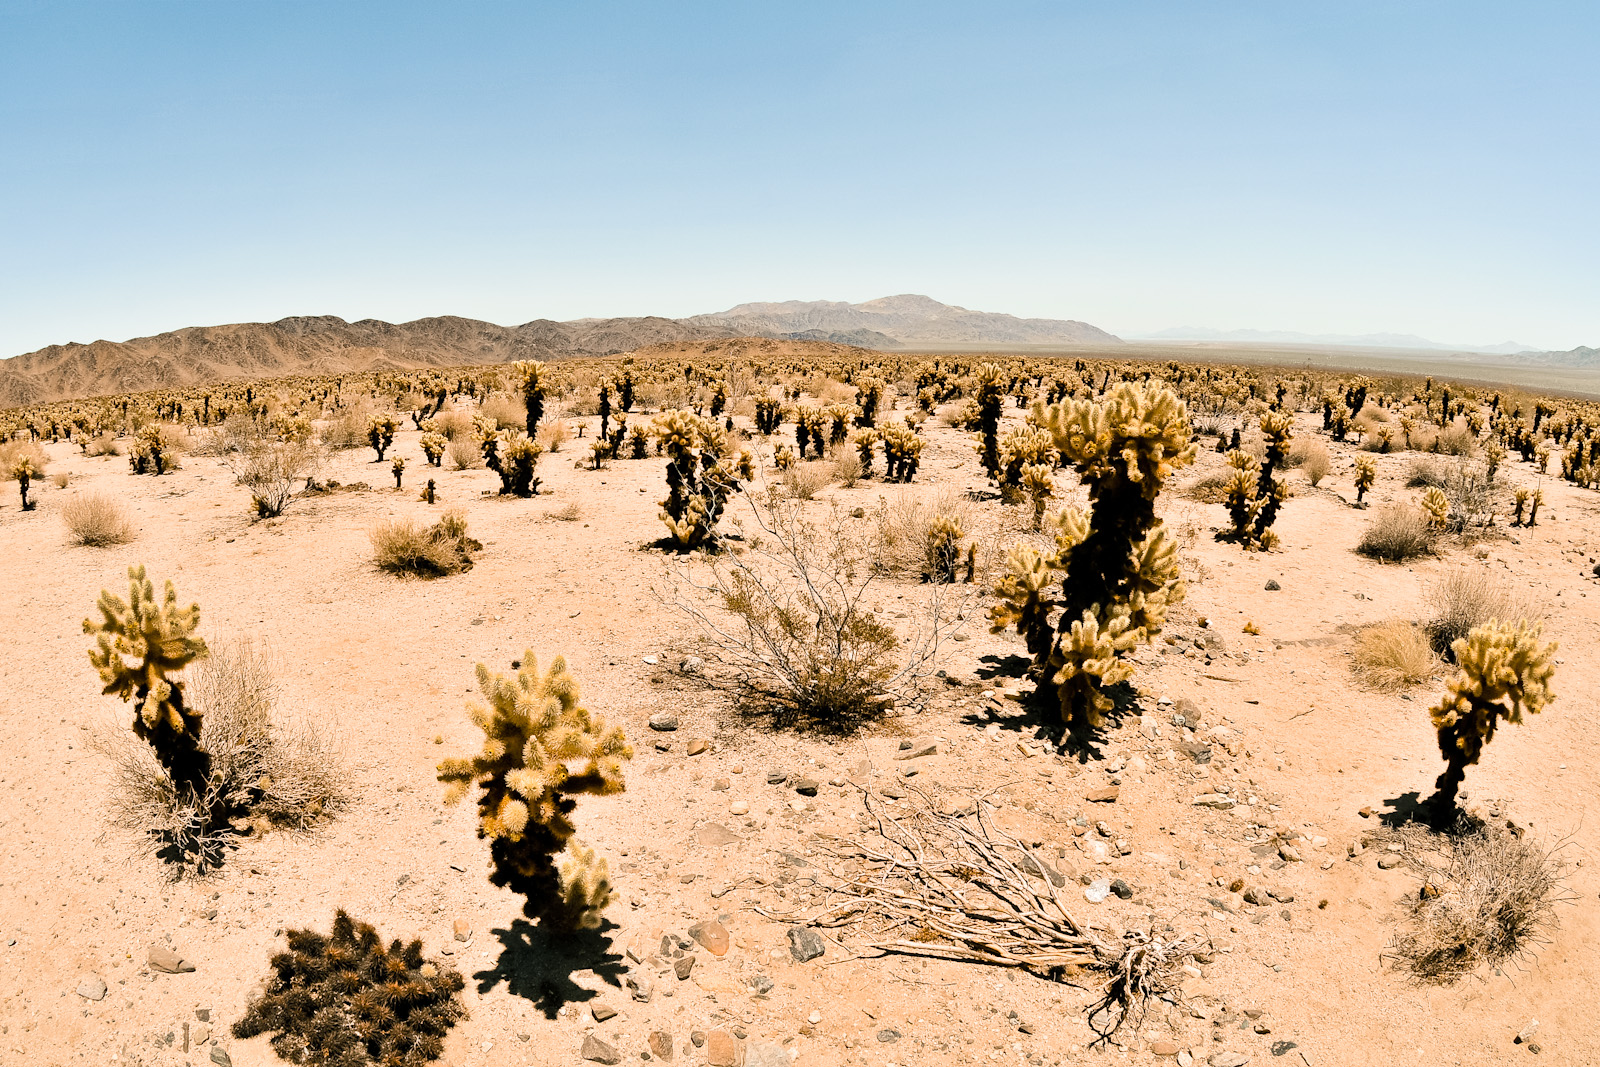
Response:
column 1255, row 896
column 766, row 1054
column 92, row 988
column 220, row 1058
column 1103, row 796
column 1283, row 1048
column 722, row 1049
column 1289, row 853
column 1185, row 1058
column 917, row 749
column 1122, row 889
column 715, row 835
column 806, row 787
column 1220, row 801
column 683, row 967
column 697, row 1038
column 664, row 721
column 1272, row 585
column 597, row 1051
column 1388, row 862
column 1097, row 890
column 642, row 987
column 463, row 930
column 164, row 959
column 1525, row 1035
column 814, row 1018
column 712, row 936
column 661, row 1044
column 761, row 984
column 721, row 785
column 201, row 1035
column 691, row 665
column 602, row 1012
column 776, row 777
column 203, row 1014
column 1163, row 1048
column 805, row 943
column 888, row 1036
column 739, row 807
column 1228, row 1059
column 698, row 745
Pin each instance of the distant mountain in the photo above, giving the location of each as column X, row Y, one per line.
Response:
column 1574, row 357
column 908, row 319
column 1364, row 340
column 325, row 344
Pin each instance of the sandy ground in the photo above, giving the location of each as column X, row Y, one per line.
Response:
column 391, row 662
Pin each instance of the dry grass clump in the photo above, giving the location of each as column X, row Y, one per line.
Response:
column 1399, row 533
column 553, row 433
column 846, row 467
column 1394, row 655
column 905, row 527
column 1456, row 439
column 347, row 430
column 404, row 546
column 1427, row 473
column 266, row 772
column 1312, row 458
column 508, row 413
column 96, row 520
column 1470, row 596
column 103, row 445
column 1210, row 488
column 465, row 453
column 571, row 513
column 1490, row 905
column 805, row 480
column 60, row 479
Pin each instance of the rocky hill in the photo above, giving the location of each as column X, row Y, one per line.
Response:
column 909, row 320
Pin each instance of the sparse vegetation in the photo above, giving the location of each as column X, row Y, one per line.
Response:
column 1399, row 533
column 1394, row 655
column 403, row 546
column 96, row 520
column 1469, row 596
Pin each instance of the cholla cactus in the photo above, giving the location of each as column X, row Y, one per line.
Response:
column 1533, row 507
column 869, row 396
column 25, row 469
column 518, row 461
column 839, row 418
column 1505, row 671
column 863, row 441
column 380, row 433
column 531, row 375
column 434, row 445
column 1437, row 507
column 1520, row 496
column 148, row 454
column 139, row 643
column 1120, row 572
column 988, row 404
column 1038, row 484
column 769, row 414
column 1025, row 446
column 698, row 481
column 1366, row 474
column 534, row 731
column 1024, row 589
column 1494, row 454
column 902, row 451
column 398, row 467
column 1253, row 494
column 944, row 548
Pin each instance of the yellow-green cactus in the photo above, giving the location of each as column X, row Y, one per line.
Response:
column 1038, row 484
column 25, row 469
column 139, row 644
column 944, row 547
column 1505, row 671
column 1366, row 474
column 541, row 750
column 1437, row 507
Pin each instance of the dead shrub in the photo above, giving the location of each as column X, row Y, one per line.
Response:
column 552, row 434
column 805, row 480
column 846, row 467
column 1490, row 905
column 454, row 423
column 1469, row 596
column 1399, row 533
column 1394, row 655
column 404, row 546
column 348, row 429
column 266, row 771
column 1456, row 439
column 570, row 513
column 1426, row 473
column 269, row 470
column 1314, row 460
column 508, row 413
column 60, row 479
column 905, row 527
column 96, row 520
column 1210, row 488
column 104, row 444
column 465, row 453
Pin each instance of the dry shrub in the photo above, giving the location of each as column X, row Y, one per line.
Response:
column 1491, row 905
column 454, row 423
column 1313, row 460
column 570, row 513
column 1469, row 596
column 1456, row 439
column 508, row 413
column 266, row 771
column 846, row 467
column 904, row 525
column 103, row 445
column 1394, row 655
column 96, row 520
column 269, row 470
column 404, row 546
column 1210, row 488
column 465, row 453
column 347, row 430
column 805, row 480
column 1426, row 473
column 1399, row 533
column 553, row 433
column 60, row 479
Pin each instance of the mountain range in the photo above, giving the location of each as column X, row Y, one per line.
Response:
column 1364, row 340
column 325, row 344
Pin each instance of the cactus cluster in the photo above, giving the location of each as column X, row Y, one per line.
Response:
column 1254, row 495
column 902, row 451
column 769, row 414
column 1366, row 474
column 380, row 433
column 1505, row 672
column 699, row 479
column 534, row 732
column 148, row 454
column 25, row 469
column 988, row 403
column 139, row 644
column 346, row 1000
column 1118, row 572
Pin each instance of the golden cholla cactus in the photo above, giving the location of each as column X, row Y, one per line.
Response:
column 1039, row 486
column 1505, row 671
column 541, row 749
column 1025, row 601
column 698, row 481
column 139, row 643
column 1086, row 658
column 944, row 547
column 1366, row 474
column 1140, row 435
column 1024, row 446
column 1437, row 506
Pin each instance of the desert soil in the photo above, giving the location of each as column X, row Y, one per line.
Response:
column 1300, row 979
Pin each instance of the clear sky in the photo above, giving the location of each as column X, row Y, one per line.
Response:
column 1351, row 167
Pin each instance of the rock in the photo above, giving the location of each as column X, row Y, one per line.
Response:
column 165, row 959
column 721, row 785
column 1228, row 1059
column 766, row 1054
column 697, row 1038
column 1525, row 1035
column 660, row 1044
column 1289, row 853
column 1097, row 890
column 1387, row 862
column 463, row 930
column 1102, row 796
column 602, row 1012
column 806, row 787
column 1028, row 865
column 597, row 1051
column 1095, row 849
column 1122, row 889
column 1163, row 1048
column 715, row 835
column 698, row 745
column 1283, row 1048
column 888, row 1036
column 1272, row 585
column 712, row 936
column 92, row 988
column 1220, row 801
column 1200, row 754
column 664, row 721
column 776, row 777
column 739, row 807
column 220, row 1058
column 917, row 749
column 683, row 967
column 691, row 665
column 642, row 987
column 1255, row 896
column 722, row 1049
column 761, row 984
column 805, row 943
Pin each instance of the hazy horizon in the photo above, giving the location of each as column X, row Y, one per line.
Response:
column 1422, row 170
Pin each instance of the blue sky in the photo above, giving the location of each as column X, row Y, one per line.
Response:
column 1429, row 168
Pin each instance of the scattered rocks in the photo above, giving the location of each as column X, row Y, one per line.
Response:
column 166, row 960
column 917, row 749
column 220, row 1058
column 805, row 943
column 664, row 721
column 766, row 1054
column 1388, row 862
column 1228, row 1059
column 698, row 745
column 642, row 987
column 806, row 787
column 1220, row 801
column 712, row 936
column 722, row 1049
column 1122, row 889
column 92, row 988
column 683, row 967
column 1028, row 865
column 776, row 777
column 739, row 807
column 602, row 1012
column 1107, row 795
column 597, row 1051
column 660, row 1043
column 1163, row 1048
column 1525, row 1035
column 691, row 665
column 888, row 1036
column 697, row 1038
column 1272, row 585
column 1255, row 896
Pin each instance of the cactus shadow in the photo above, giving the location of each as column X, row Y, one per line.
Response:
column 1041, row 720
column 538, row 964
column 1012, row 666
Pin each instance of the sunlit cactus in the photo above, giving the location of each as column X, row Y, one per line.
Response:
column 380, row 433
column 541, row 751
column 944, row 547
column 434, row 445
column 699, row 481
column 531, row 377
column 25, row 469
column 1366, row 474
column 989, row 402
column 1437, row 507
